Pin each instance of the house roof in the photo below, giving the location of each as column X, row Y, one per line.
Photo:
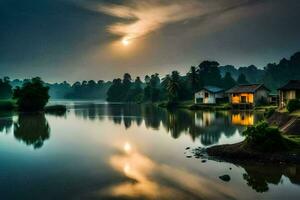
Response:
column 246, row 88
column 212, row 89
column 291, row 85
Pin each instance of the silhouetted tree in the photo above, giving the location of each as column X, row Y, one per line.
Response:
column 114, row 93
column 5, row 88
column 194, row 80
column 242, row 79
column 32, row 96
column 209, row 73
column 228, row 81
column 173, row 86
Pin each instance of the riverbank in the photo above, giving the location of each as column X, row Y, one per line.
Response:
column 264, row 142
column 10, row 105
column 190, row 105
column 239, row 152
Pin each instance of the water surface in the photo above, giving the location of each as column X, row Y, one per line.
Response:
column 102, row 151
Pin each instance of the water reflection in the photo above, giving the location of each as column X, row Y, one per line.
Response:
column 32, row 129
column 259, row 180
column 6, row 122
column 147, row 179
column 206, row 126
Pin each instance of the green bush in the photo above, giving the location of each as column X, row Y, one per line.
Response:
column 293, row 105
column 269, row 112
column 264, row 138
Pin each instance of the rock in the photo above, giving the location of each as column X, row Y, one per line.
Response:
column 225, row 178
column 204, row 161
column 187, row 148
column 230, row 168
column 188, row 156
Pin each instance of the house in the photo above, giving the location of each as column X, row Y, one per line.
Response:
column 289, row 91
column 248, row 95
column 210, row 95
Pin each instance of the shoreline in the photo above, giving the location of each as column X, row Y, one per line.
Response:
column 235, row 153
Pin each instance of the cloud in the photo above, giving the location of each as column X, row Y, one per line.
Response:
column 144, row 17
column 140, row 18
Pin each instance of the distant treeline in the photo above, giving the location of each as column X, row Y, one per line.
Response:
column 78, row 90
column 175, row 87
column 172, row 87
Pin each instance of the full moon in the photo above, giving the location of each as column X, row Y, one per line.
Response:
column 125, row 42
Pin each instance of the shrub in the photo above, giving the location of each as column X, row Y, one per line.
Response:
column 293, row 105
column 269, row 112
column 32, row 96
column 264, row 138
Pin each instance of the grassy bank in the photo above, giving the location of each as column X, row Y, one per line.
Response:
column 10, row 105
column 263, row 143
column 192, row 106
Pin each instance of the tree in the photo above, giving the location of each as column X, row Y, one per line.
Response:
column 135, row 94
column 193, row 80
column 209, row 73
column 114, row 93
column 172, row 86
column 228, row 81
column 242, row 79
column 5, row 88
column 32, row 96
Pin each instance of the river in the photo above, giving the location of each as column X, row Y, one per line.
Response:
column 123, row 151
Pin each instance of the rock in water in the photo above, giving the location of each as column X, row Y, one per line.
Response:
column 225, row 178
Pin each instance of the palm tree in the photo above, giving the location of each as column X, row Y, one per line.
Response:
column 172, row 86
column 193, row 79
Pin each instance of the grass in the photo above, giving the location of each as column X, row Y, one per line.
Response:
column 192, row 106
column 296, row 113
column 264, row 108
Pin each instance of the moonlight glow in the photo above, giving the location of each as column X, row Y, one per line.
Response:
column 125, row 42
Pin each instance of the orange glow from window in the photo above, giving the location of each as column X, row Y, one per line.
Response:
column 238, row 98
column 245, row 119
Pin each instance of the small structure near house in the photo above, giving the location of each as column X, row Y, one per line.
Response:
column 248, row 95
column 210, row 95
column 273, row 99
column 289, row 91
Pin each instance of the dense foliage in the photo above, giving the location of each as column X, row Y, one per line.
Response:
column 5, row 88
column 32, row 96
column 262, row 137
column 175, row 87
column 293, row 105
column 78, row 90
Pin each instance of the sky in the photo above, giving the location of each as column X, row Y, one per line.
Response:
column 102, row 39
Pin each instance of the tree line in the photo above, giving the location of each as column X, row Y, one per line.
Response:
column 173, row 87
column 64, row 90
column 176, row 87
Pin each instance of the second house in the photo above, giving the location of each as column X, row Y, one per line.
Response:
column 209, row 95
